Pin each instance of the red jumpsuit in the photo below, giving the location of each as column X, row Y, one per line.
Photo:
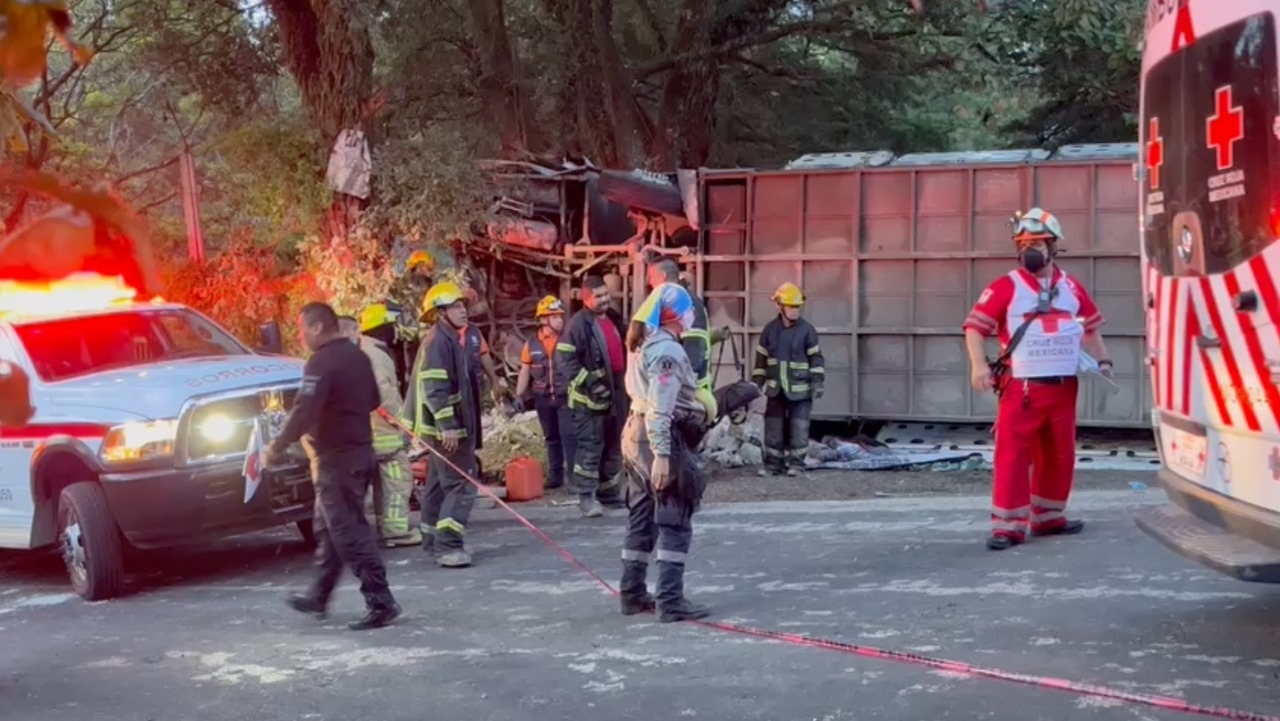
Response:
column 1035, row 429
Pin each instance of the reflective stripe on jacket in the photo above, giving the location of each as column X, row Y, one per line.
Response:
column 789, row 360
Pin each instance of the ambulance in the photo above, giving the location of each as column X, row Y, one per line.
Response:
column 1210, row 216
column 146, row 420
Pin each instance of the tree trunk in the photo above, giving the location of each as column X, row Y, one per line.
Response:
column 510, row 108
column 689, row 94
column 598, row 112
column 329, row 52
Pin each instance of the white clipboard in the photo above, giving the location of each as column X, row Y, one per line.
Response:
column 1090, row 368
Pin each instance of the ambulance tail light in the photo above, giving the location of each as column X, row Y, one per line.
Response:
column 139, row 441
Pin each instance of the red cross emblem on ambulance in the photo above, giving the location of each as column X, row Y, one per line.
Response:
column 1224, row 128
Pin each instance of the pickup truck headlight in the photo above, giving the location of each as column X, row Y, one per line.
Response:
column 139, row 441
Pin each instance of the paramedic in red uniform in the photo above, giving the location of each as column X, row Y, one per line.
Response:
column 1035, row 428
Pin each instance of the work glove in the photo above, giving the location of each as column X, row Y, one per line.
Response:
column 817, row 392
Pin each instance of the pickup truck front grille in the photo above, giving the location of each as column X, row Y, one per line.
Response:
column 219, row 429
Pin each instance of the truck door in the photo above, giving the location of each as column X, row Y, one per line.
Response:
column 1209, row 122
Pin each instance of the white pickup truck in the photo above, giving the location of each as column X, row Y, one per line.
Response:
column 143, row 414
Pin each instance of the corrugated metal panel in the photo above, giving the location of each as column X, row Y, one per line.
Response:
column 892, row 257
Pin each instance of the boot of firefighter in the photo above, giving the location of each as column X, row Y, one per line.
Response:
column 633, row 592
column 672, row 604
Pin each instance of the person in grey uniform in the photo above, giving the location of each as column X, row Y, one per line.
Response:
column 665, row 483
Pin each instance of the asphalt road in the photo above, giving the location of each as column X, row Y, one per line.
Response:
column 523, row 635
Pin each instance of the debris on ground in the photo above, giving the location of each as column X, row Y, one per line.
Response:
column 508, row 438
column 867, row 454
column 736, row 445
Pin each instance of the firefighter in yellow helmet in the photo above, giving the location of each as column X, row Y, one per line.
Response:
column 443, row 408
column 373, row 335
column 790, row 371
column 536, row 375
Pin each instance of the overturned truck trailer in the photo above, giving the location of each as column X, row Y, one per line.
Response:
column 893, row 251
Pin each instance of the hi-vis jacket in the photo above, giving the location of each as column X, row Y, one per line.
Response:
column 789, row 360
column 582, row 371
column 386, row 437
column 697, row 343
column 661, row 385
column 440, row 397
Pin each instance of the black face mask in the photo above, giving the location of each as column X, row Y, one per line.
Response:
column 1033, row 260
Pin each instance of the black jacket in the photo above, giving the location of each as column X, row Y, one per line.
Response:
column 582, row 372
column 442, row 394
column 789, row 360
column 338, row 393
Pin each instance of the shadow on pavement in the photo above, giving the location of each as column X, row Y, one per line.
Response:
column 271, row 555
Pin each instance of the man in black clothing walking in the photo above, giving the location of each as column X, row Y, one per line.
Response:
column 337, row 395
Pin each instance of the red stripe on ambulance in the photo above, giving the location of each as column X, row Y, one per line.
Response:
column 1226, row 351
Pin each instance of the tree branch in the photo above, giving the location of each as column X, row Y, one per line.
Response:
column 738, row 45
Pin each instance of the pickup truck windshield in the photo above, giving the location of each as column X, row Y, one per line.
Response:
column 71, row 347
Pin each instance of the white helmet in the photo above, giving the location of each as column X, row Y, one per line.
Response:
column 1036, row 224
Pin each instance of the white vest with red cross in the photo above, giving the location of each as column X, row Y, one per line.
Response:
column 1051, row 344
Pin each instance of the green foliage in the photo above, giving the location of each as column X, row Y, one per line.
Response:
column 1082, row 58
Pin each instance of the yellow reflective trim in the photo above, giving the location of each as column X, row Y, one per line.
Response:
column 799, row 365
column 772, row 361
column 757, row 372
column 566, row 348
column 448, row 524
column 435, row 374
column 455, row 398
column 760, row 349
column 446, row 412
column 818, row 371
column 697, row 333
column 814, row 350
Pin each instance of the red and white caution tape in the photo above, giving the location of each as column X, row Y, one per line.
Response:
column 1164, row 702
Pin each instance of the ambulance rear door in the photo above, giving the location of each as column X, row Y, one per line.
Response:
column 1210, row 120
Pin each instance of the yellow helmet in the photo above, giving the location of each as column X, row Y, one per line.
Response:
column 421, row 257
column 439, row 296
column 374, row 315
column 788, row 294
column 550, row 305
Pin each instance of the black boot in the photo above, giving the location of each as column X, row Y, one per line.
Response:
column 632, row 592
column 672, row 605
column 1070, row 528
column 302, row 603
column 376, row 617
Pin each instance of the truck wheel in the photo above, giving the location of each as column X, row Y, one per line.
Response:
column 308, row 530
column 90, row 542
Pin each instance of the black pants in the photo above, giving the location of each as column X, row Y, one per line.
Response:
column 448, row 498
column 549, row 418
column 597, row 459
column 568, row 437
column 659, row 526
column 347, row 539
column 786, row 433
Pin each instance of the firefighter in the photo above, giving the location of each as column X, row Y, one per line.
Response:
column 445, row 410
column 536, row 375
column 790, row 371
column 478, row 356
column 665, row 486
column 1043, row 318
column 589, row 364
column 389, row 444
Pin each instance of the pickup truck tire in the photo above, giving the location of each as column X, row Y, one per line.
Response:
column 90, row 542
column 307, row 529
